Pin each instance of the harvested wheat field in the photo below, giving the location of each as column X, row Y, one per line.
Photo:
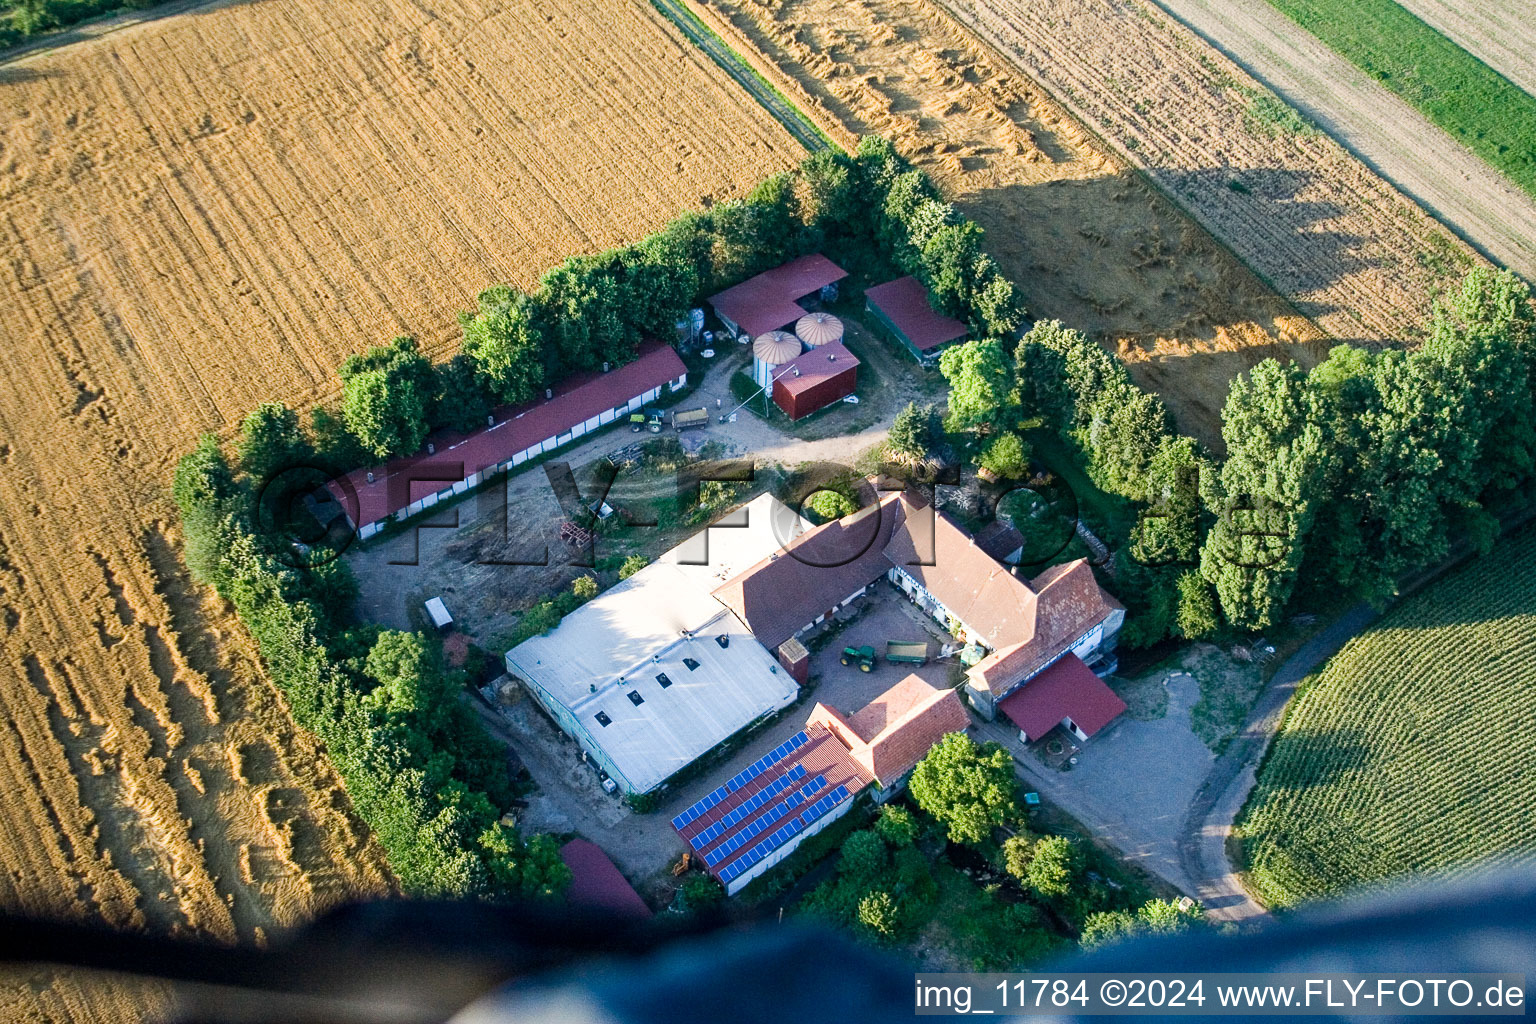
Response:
column 1083, row 235
column 204, row 211
column 1328, row 233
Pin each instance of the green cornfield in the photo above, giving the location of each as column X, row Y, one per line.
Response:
column 1414, row 750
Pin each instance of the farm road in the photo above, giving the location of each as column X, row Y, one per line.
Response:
column 1498, row 33
column 1203, row 842
column 1392, row 137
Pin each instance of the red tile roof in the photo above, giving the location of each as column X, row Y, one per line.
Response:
column 890, row 734
column 820, row 568
column 596, row 883
column 815, row 366
column 767, row 302
column 1068, row 689
column 1070, row 603
column 577, row 399
column 904, row 302
column 979, row 590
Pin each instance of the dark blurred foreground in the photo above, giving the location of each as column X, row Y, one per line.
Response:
column 415, row 962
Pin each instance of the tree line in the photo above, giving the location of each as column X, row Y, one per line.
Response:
column 1337, row 480
column 419, row 767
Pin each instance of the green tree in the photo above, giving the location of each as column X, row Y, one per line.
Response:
column 698, row 892
column 505, row 343
column 969, row 789
column 1106, row 927
column 952, row 257
column 464, row 400
column 388, row 417
column 827, row 505
column 205, row 492
column 997, row 311
column 411, row 683
column 524, row 869
column 912, row 432
column 980, row 386
column 897, row 826
column 632, row 565
column 1265, row 496
column 1197, row 608
column 880, row 913
column 1164, row 917
column 388, row 397
column 1018, row 850
column 835, row 201
column 1006, row 457
column 1054, row 865
column 864, row 856
column 271, row 440
column 1168, row 530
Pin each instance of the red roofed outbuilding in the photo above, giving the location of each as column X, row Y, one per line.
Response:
column 890, row 734
column 597, row 884
column 452, row 463
column 1066, row 694
column 903, row 306
column 815, row 379
column 770, row 300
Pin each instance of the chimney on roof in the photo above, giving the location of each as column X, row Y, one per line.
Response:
column 549, row 393
column 370, row 476
column 831, row 357
column 490, row 419
column 431, row 449
column 605, row 366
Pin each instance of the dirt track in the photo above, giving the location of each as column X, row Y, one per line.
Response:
column 1500, row 33
column 202, row 211
column 1396, row 140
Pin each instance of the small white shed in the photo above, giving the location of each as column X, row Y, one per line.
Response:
column 438, row 613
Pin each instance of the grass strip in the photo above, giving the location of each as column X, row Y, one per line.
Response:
column 1473, row 103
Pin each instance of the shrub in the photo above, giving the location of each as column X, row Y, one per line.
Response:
column 584, row 588
column 632, row 565
column 864, row 856
column 1053, row 867
column 825, row 506
column 897, row 826
column 879, row 913
column 1007, row 457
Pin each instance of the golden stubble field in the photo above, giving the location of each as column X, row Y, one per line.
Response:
column 1086, row 239
column 205, row 211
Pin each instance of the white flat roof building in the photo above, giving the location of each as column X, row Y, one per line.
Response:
column 639, row 675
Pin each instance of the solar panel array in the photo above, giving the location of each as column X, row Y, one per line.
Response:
column 758, row 799
column 787, row 831
column 754, row 829
column 824, row 805
column 746, row 775
column 769, row 759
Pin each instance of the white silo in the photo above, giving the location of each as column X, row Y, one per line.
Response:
column 771, row 351
column 816, row 329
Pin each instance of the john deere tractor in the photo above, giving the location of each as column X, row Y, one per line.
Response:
column 864, row 657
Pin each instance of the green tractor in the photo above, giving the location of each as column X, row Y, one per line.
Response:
column 864, row 657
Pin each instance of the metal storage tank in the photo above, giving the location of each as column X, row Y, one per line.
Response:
column 771, row 351
column 819, row 329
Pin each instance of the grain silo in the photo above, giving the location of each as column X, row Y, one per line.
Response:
column 771, row 351
column 816, row 329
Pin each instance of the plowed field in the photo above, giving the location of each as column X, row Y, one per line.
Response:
column 1085, row 237
column 211, row 209
column 1328, row 233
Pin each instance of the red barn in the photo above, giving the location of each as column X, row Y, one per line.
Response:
column 815, row 380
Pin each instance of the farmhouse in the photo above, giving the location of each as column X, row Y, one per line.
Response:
column 453, row 463
column 1015, row 628
column 815, row 380
column 757, row 818
column 654, row 672
column 903, row 307
column 771, row 300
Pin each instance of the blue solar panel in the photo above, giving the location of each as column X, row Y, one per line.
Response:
column 824, row 805
column 754, row 828
column 767, row 761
